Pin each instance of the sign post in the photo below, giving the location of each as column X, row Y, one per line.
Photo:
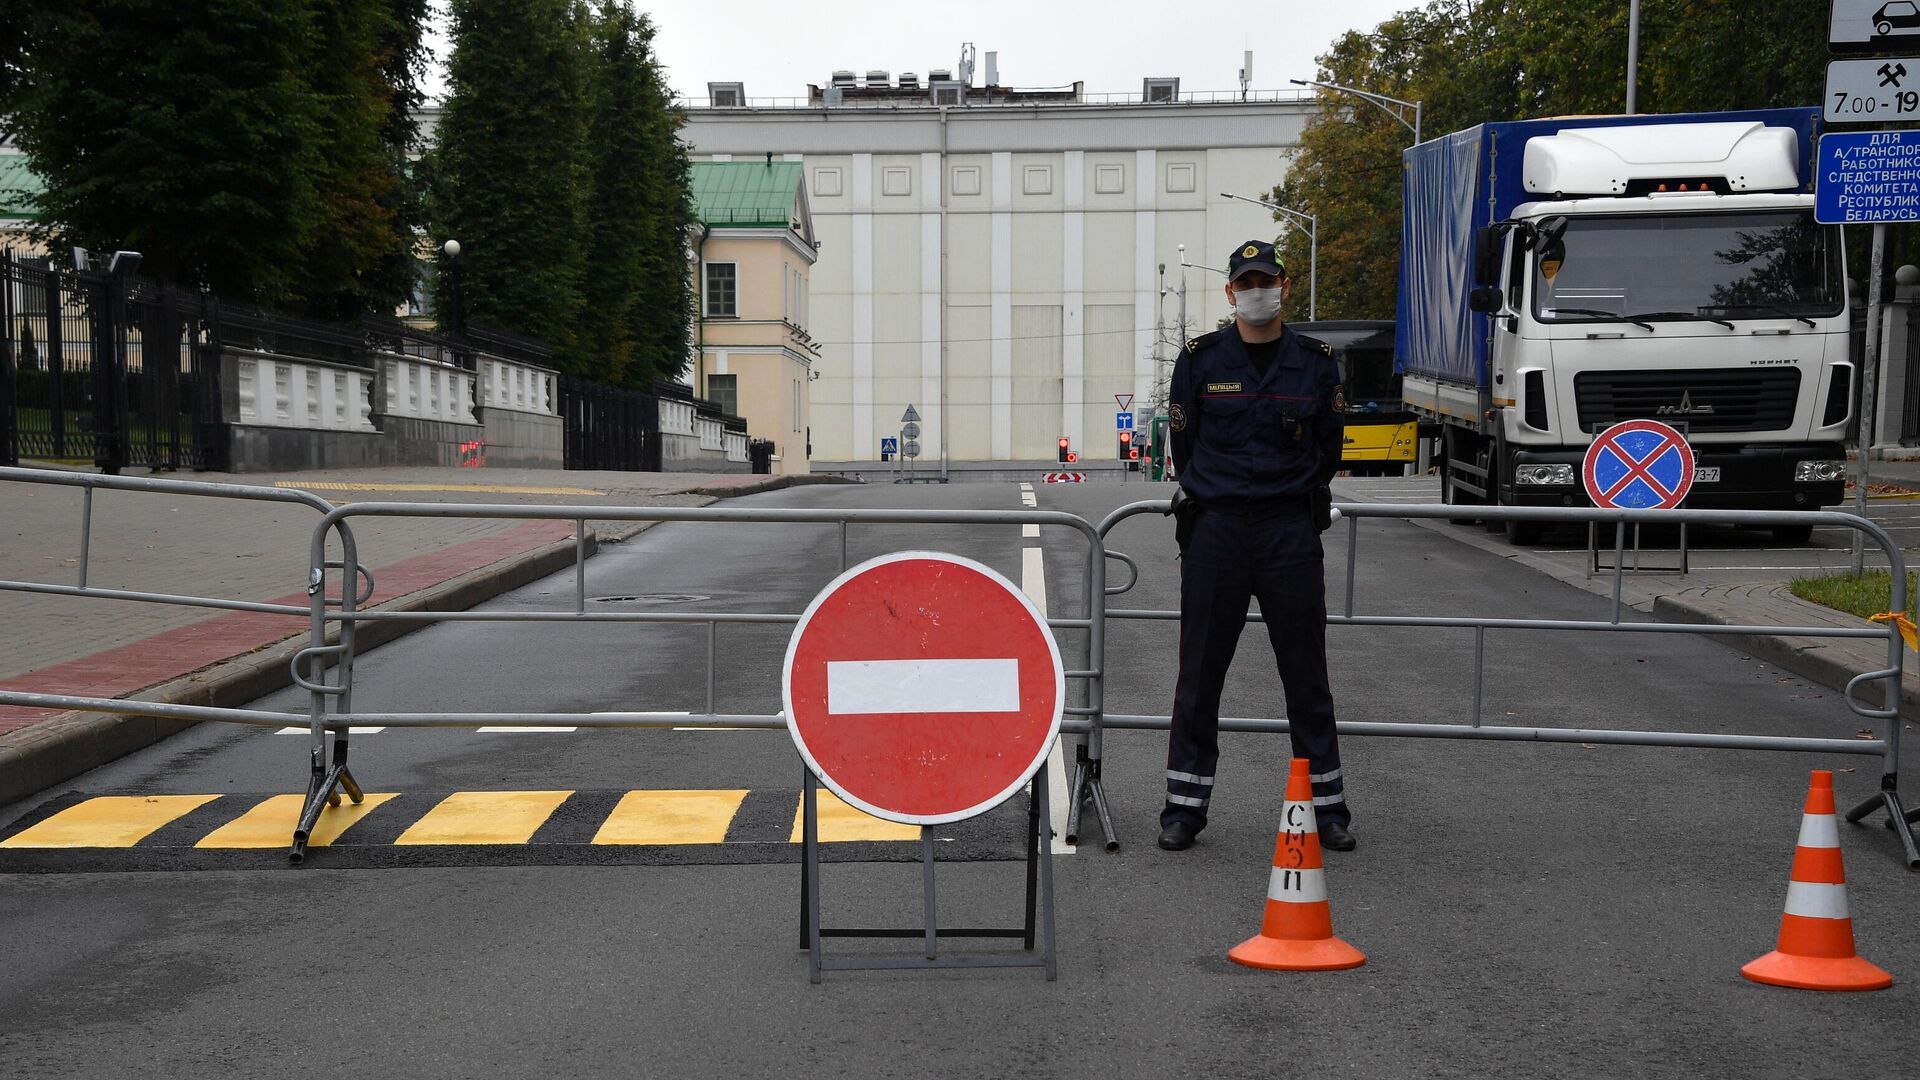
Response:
column 925, row 689
column 1637, row 465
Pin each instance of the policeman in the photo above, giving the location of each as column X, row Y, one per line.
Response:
column 1256, row 440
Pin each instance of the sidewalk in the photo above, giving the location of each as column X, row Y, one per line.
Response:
column 255, row 551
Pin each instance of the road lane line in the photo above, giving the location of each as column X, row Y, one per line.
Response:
column 353, row 730
column 484, row 817
column 1029, row 531
column 269, row 824
column 523, row 730
column 1033, row 582
column 107, row 821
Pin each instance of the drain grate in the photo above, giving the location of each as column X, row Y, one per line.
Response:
column 652, row 598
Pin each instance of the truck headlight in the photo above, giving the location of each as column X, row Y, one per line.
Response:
column 1817, row 472
column 1543, row 475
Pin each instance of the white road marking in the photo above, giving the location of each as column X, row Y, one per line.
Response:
column 1030, row 531
column 536, row 730
column 1027, row 498
column 1033, row 582
column 1026, row 487
column 352, row 730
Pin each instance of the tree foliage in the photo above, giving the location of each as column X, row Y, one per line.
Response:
column 559, row 170
column 637, row 315
column 254, row 147
column 1494, row 60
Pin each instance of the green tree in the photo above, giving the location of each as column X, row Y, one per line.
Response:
column 1496, row 60
column 509, row 172
column 183, row 131
column 636, row 318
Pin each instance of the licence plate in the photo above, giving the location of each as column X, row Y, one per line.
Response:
column 1706, row 474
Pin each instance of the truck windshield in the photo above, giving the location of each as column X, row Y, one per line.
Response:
column 1690, row 266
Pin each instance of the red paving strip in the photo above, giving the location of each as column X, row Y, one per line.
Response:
column 170, row 654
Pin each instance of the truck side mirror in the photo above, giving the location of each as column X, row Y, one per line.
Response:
column 1486, row 300
column 1486, row 255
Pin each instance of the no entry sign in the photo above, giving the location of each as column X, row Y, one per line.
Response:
column 1638, row 465
column 923, row 688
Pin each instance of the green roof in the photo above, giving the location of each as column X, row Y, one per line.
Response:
column 18, row 187
column 753, row 194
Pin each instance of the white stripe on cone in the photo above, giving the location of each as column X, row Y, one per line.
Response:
column 1819, row 831
column 1813, row 900
column 856, row 687
column 1297, row 886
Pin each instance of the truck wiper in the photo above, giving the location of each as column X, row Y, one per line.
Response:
column 1596, row 313
column 1694, row 315
column 1775, row 308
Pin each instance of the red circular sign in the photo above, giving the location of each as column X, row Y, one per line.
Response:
column 1638, row 465
column 923, row 688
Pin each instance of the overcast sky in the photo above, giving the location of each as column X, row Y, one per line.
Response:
column 777, row 47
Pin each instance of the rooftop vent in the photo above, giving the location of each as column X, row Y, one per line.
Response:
column 939, row 75
column 1160, row 91
column 877, row 79
column 909, row 81
column 844, row 79
column 727, row 95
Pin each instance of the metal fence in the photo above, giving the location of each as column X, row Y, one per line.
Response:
column 339, row 587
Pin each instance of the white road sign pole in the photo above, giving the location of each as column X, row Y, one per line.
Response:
column 1870, row 370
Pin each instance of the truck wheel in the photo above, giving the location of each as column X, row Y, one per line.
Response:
column 1793, row 534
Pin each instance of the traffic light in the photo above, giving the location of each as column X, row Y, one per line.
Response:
column 1126, row 445
column 1071, row 458
column 1066, row 455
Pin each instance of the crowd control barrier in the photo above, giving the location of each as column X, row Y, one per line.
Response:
column 339, row 587
column 1886, row 747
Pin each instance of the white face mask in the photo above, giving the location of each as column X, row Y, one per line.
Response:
column 1257, row 306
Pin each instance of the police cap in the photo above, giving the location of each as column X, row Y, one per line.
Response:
column 1254, row 255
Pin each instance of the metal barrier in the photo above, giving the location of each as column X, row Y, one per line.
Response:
column 324, row 668
column 1886, row 747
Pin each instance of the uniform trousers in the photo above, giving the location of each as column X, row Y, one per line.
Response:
column 1236, row 552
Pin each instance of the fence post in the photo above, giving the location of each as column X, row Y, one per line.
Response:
column 108, row 379
column 56, row 360
column 9, row 401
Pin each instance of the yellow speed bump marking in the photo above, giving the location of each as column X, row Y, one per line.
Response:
column 483, row 489
column 484, row 817
column 671, row 817
column 840, row 823
column 270, row 824
column 107, row 821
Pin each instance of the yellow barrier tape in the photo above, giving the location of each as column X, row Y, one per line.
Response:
column 1908, row 630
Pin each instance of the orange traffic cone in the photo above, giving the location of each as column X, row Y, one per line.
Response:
column 1297, row 932
column 1816, row 933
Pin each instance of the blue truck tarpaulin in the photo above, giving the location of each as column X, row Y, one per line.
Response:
column 1457, row 184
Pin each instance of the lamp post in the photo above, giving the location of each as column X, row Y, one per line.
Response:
column 455, row 323
column 1312, row 231
column 1392, row 106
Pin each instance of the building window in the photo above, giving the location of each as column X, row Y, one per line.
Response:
column 796, row 405
column 896, row 180
column 1109, row 179
column 1180, row 176
column 722, row 292
column 786, row 292
column 1037, row 180
column 966, row 180
column 724, row 392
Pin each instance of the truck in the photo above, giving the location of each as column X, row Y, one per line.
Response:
column 1379, row 437
column 1559, row 276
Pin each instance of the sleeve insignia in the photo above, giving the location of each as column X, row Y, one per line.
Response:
column 1177, row 418
column 1339, row 398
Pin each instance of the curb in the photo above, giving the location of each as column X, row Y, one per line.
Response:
column 1831, row 662
column 36, row 758
column 771, row 483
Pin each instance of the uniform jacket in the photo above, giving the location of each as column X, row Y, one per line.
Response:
column 1239, row 436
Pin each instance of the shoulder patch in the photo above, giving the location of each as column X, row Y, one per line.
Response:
column 1313, row 344
column 1339, row 398
column 1177, row 418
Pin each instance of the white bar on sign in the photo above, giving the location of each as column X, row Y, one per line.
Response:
column 922, row 686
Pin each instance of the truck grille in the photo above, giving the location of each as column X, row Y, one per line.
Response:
column 1726, row 399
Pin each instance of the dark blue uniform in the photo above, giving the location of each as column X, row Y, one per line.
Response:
column 1250, row 446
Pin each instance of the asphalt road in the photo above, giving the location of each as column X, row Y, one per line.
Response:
column 1527, row 909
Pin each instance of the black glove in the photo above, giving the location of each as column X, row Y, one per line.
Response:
column 1185, row 510
column 1320, row 499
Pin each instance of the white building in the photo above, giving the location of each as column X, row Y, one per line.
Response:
column 1005, row 252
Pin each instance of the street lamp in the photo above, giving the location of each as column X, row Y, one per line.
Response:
column 454, row 323
column 1312, row 231
column 1392, row 106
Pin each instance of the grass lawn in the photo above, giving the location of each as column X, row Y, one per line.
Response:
column 1864, row 596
